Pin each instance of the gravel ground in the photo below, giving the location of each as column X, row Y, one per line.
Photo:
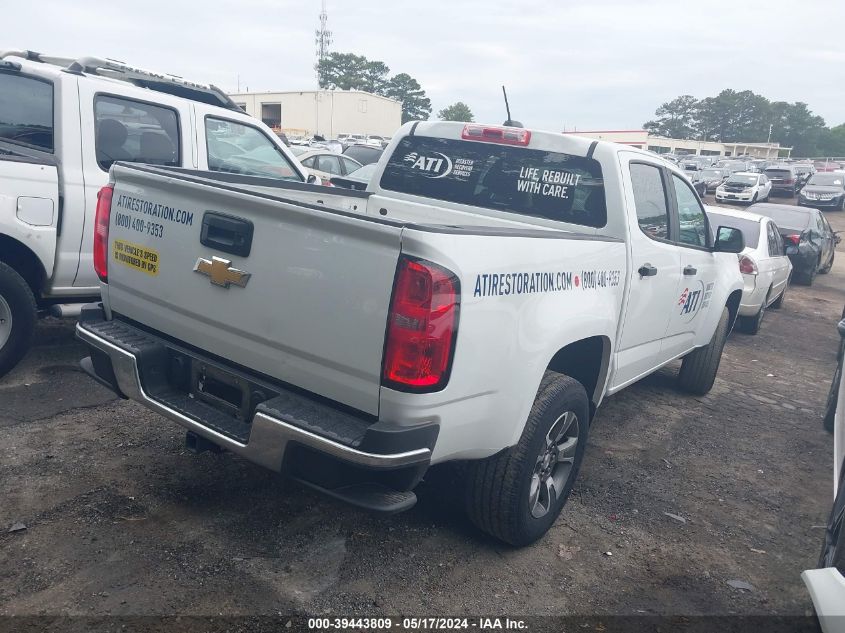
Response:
column 678, row 495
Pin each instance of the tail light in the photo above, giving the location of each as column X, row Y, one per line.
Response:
column 503, row 135
column 747, row 266
column 794, row 238
column 421, row 327
column 101, row 232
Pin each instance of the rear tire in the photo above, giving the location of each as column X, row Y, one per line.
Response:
column 833, row 547
column 17, row 318
column 751, row 325
column 827, row 268
column 778, row 303
column 509, row 495
column 699, row 367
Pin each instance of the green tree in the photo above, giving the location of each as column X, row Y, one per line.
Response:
column 733, row 116
column 342, row 71
column 415, row 105
column 347, row 71
column 675, row 119
column 832, row 141
column 456, row 112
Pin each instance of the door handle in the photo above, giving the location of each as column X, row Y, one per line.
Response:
column 647, row 270
column 690, row 270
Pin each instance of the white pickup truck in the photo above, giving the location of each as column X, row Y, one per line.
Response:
column 63, row 122
column 476, row 303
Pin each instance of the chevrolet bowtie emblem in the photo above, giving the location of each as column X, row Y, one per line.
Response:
column 221, row 272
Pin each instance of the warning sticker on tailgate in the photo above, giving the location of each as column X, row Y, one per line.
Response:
column 136, row 256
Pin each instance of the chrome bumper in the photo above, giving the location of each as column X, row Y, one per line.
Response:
column 269, row 436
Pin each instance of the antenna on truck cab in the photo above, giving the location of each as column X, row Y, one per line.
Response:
column 510, row 122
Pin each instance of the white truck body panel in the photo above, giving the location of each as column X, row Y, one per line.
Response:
column 29, row 206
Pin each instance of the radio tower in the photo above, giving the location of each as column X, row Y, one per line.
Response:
column 323, row 39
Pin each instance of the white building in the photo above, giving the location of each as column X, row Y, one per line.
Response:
column 643, row 140
column 324, row 112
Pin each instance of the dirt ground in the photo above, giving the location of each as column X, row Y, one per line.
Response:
column 678, row 496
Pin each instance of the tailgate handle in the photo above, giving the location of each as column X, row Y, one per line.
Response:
column 226, row 233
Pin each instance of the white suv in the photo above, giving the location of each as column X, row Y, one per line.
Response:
column 744, row 186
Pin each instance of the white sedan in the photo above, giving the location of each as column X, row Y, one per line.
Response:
column 744, row 186
column 827, row 583
column 763, row 263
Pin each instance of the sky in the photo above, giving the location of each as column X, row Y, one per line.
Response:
column 588, row 65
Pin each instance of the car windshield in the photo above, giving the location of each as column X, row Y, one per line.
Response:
column 786, row 217
column 750, row 228
column 827, row 180
column 742, row 180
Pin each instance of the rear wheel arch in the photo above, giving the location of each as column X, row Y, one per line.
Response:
column 587, row 361
column 733, row 305
column 26, row 263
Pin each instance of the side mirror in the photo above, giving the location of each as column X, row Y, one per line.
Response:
column 841, row 327
column 836, row 237
column 728, row 240
column 312, row 180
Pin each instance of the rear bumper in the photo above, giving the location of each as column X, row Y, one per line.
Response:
column 827, row 588
column 321, row 444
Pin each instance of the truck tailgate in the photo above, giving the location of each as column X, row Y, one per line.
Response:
column 304, row 294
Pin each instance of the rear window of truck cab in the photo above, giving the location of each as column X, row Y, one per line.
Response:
column 528, row 182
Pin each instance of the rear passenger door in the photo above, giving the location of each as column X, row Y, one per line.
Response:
column 654, row 271
column 778, row 262
column 118, row 126
column 699, row 269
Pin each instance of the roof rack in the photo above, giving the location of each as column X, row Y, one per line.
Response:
column 114, row 69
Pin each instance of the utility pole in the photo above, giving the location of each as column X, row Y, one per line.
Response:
column 769, row 138
column 323, row 39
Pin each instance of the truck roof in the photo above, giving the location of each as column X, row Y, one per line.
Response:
column 117, row 71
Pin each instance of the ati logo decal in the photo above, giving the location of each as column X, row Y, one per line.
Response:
column 436, row 166
column 689, row 300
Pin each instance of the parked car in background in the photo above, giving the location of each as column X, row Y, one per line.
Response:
column 357, row 180
column 713, row 177
column 784, row 179
column 824, row 189
column 763, row 263
column 827, row 583
column 375, row 140
column 744, row 186
column 827, row 165
column 364, row 154
column 809, row 240
column 732, row 166
column 327, row 164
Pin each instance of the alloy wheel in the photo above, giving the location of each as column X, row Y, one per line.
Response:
column 5, row 321
column 554, row 465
